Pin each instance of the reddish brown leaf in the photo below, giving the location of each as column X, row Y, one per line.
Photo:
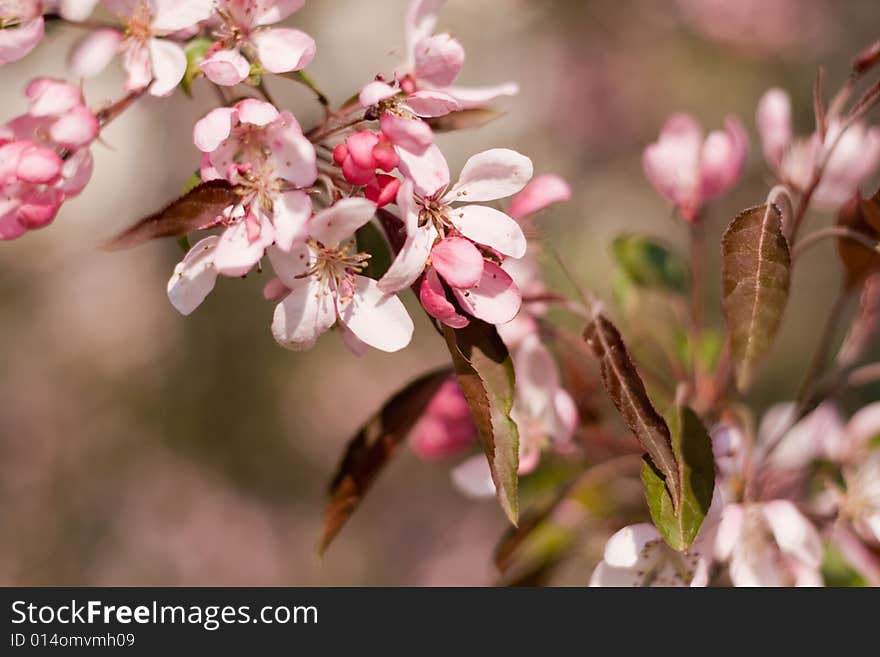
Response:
column 866, row 59
column 198, row 208
column 858, row 260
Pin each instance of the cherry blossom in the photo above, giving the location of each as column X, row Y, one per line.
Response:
column 326, row 287
column 690, row 170
column 859, row 500
column 150, row 60
column 769, row 544
column 446, row 427
column 854, row 151
column 244, row 37
column 433, row 61
column 264, row 153
column 21, row 28
column 44, row 156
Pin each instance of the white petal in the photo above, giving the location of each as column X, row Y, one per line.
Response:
column 236, row 253
column 729, row 529
column 340, row 221
column 289, row 267
column 624, row 549
column 377, row 319
column 304, row 314
column 490, row 175
column 169, row 65
column 490, row 227
column 290, row 214
column 609, row 576
column 473, row 478
column 429, row 171
column 794, row 534
column 470, row 97
column 193, row 277
column 409, row 263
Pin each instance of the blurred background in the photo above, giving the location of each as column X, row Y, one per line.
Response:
column 139, row 447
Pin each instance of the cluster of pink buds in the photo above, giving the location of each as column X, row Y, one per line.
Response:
column 44, row 156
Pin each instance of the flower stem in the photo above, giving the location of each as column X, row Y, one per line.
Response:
column 834, row 231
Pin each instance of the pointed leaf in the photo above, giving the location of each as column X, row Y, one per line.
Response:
column 627, row 391
column 858, row 260
column 696, row 475
column 485, row 373
column 373, row 447
column 647, row 263
column 198, row 208
column 756, row 268
column 463, row 119
column 195, row 51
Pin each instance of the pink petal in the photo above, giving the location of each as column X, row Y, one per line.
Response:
column 774, row 124
column 374, row 92
column 38, row 208
column 292, row 155
column 10, row 226
column 470, row 97
column 267, row 12
column 339, row 222
column 94, row 51
column 672, row 163
column 137, row 65
column 283, row 49
column 275, row 289
column 428, row 171
column 77, row 10
column 290, row 267
column 729, row 531
column 793, row 532
column 490, row 175
column 355, row 174
column 382, row 190
column 290, row 213
column 377, row 319
column 174, row 15
column 488, row 226
column 50, row 97
column 537, row 377
column 433, row 299
column 409, row 263
column 435, row 438
column 542, row 191
column 78, row 127
column 236, row 253
column 226, row 67
column 37, row 164
column 430, row 103
column 360, row 147
column 17, row 42
column 385, row 156
column 256, row 112
column 458, row 261
column 473, row 477
column 214, row 128
column 194, row 276
column 495, row 299
column 421, row 17
column 410, row 134
column 169, row 65
column 76, row 172
column 438, row 60
column 304, row 314
column 722, row 159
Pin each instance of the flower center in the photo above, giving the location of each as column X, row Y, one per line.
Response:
column 337, row 265
column 434, row 212
column 138, row 26
column 15, row 12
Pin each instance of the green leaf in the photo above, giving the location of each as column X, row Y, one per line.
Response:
column 837, row 571
column 372, row 448
column 195, row 50
column 627, row 392
column 696, row 480
column 192, row 182
column 370, row 239
column 198, row 208
column 756, row 270
column 647, row 263
column 485, row 373
column 464, row 119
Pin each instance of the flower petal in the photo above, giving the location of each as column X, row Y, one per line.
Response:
column 410, row 134
column 495, row 299
column 211, row 130
column 429, row 171
column 267, row 12
column 339, row 222
column 490, row 175
column 290, row 214
column 174, row 15
column 304, row 314
column 257, row 112
column 421, row 17
column 292, row 154
column 374, row 92
column 794, row 534
column 730, row 528
column 93, row 52
column 672, row 163
column 541, row 191
column 283, row 49
column 430, row 102
column 17, row 42
column 226, row 67
column 194, row 276
column 458, row 261
column 236, row 253
column 76, row 128
column 491, row 227
column 438, row 60
column 774, row 124
column 291, row 266
column 470, row 97
column 473, row 477
column 169, row 65
column 377, row 319
column 722, row 159
column 624, row 548
column 433, row 299
column 409, row 263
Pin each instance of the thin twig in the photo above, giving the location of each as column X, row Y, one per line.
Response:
column 834, row 231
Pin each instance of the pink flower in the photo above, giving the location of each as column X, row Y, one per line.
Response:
column 244, row 29
column 435, row 60
column 855, row 154
column 689, row 170
column 769, row 544
column 326, row 287
column 44, row 156
column 361, row 154
column 148, row 59
column 264, row 153
column 21, row 28
column 426, row 207
column 446, row 427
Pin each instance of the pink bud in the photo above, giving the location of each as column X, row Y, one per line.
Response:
column 382, row 189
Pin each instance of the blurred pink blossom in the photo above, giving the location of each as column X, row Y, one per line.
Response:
column 447, row 427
